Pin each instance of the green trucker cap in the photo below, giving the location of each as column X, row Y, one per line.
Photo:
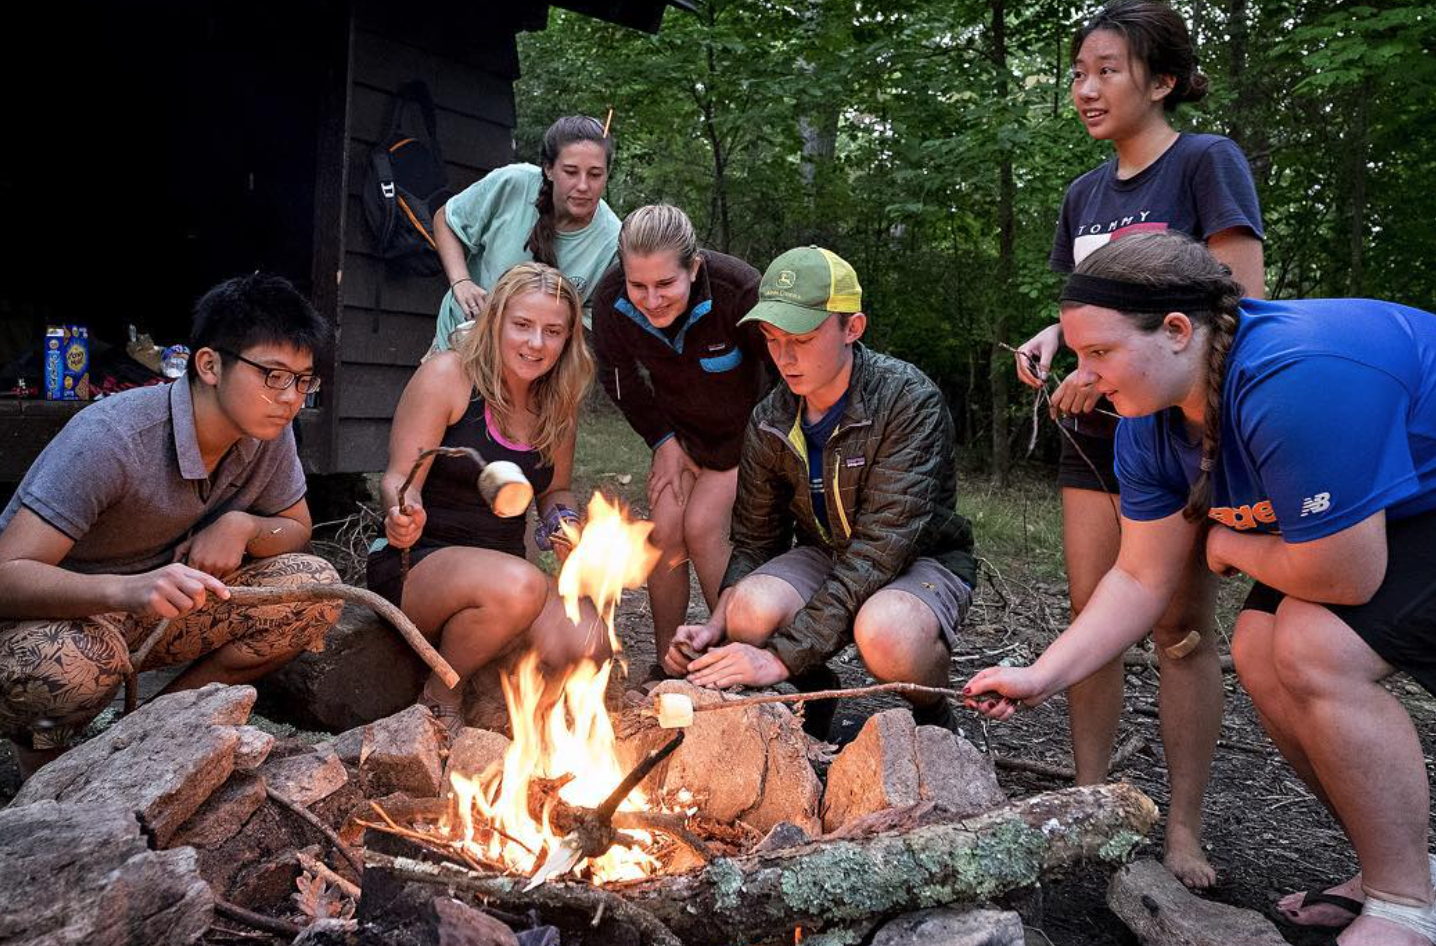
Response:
column 803, row 287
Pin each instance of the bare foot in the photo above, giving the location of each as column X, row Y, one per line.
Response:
column 1374, row 931
column 1184, row 858
column 1316, row 913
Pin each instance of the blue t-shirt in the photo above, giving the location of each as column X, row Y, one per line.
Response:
column 816, row 435
column 1328, row 416
column 1201, row 185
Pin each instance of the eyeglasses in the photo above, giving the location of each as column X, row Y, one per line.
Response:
column 280, row 379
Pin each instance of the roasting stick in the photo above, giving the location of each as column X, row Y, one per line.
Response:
column 671, row 706
column 296, row 594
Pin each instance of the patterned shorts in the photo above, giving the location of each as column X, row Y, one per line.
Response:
column 57, row 675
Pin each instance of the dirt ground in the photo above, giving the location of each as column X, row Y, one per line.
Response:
column 1266, row 834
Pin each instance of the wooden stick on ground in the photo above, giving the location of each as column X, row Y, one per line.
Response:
column 321, row 827
column 257, row 920
column 1130, row 746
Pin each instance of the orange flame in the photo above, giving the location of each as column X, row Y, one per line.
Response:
column 574, row 735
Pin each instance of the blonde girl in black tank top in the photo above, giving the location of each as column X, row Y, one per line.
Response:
column 526, row 362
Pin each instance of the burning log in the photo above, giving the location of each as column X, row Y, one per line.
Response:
column 839, row 883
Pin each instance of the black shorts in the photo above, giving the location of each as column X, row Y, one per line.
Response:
column 1399, row 622
column 1087, row 460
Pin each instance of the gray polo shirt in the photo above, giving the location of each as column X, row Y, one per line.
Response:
column 125, row 480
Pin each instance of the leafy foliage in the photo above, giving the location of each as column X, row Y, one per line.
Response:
column 881, row 130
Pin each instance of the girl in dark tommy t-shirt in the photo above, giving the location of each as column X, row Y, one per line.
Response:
column 510, row 390
column 1132, row 64
column 1306, row 431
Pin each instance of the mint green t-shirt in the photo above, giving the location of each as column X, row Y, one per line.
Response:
column 493, row 218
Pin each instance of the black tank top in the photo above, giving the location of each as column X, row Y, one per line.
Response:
column 457, row 514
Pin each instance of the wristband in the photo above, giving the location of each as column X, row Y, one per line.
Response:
column 552, row 524
column 457, row 281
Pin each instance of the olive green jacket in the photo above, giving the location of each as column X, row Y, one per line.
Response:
column 891, row 493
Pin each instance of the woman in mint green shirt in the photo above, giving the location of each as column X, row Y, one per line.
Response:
column 554, row 214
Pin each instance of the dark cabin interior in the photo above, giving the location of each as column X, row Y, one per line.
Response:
column 134, row 199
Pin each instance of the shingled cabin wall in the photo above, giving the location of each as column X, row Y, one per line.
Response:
column 386, row 321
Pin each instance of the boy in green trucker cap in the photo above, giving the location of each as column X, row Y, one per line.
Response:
column 845, row 527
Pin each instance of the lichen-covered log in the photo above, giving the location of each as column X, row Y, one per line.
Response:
column 763, row 897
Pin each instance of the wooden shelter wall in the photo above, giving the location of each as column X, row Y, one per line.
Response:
column 387, row 320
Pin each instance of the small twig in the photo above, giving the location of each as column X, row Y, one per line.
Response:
column 257, row 920
column 321, row 827
column 598, row 915
column 322, row 870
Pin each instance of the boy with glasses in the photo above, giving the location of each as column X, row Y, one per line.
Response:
column 146, row 507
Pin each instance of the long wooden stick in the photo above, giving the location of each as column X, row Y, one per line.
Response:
column 294, row 594
column 849, row 693
column 321, row 827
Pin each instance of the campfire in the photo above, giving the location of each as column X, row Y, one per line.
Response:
column 563, row 747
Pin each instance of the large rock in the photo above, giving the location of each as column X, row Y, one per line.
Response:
column 953, row 928
column 1162, row 912
column 82, row 873
column 161, row 762
column 402, row 755
column 306, row 778
column 364, row 673
column 748, row 764
column 877, row 770
column 954, row 773
column 223, row 814
column 895, row 764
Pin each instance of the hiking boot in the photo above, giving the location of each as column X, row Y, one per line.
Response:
column 818, row 714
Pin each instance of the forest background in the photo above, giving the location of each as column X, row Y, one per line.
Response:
column 929, row 142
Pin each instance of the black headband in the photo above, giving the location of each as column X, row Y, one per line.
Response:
column 1133, row 297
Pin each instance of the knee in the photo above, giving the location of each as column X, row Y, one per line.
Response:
column 751, row 618
column 525, row 589
column 1298, row 663
column 886, row 632
column 703, row 525
column 72, row 674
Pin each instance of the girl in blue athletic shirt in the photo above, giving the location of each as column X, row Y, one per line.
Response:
column 1296, row 442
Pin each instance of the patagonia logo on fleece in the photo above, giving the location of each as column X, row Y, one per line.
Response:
column 851, row 462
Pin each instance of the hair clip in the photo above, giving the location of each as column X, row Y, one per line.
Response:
column 607, row 120
column 1208, row 464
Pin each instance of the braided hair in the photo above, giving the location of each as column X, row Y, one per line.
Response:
column 561, row 134
column 1158, row 38
column 1166, row 259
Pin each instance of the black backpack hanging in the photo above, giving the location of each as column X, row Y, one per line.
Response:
column 405, row 186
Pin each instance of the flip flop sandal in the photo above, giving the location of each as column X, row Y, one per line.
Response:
column 1314, row 898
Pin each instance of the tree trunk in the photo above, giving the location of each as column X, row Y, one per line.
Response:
column 718, row 211
column 1360, row 144
column 838, row 884
column 1000, row 363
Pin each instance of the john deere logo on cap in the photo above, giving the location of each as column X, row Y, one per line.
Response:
column 787, row 279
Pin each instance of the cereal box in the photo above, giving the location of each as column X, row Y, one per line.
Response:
column 67, row 363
